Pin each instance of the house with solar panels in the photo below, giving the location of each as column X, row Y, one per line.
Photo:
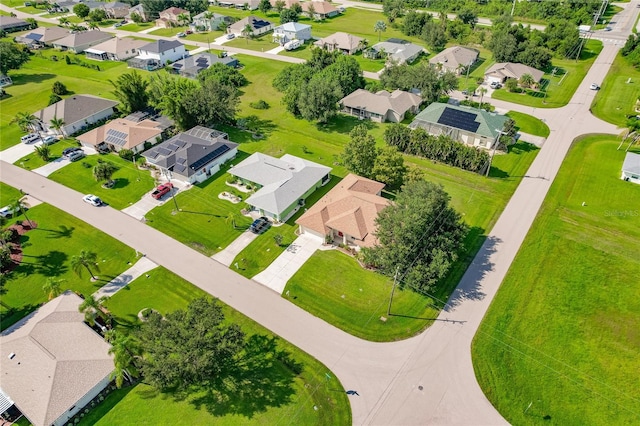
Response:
column 43, row 36
column 123, row 133
column 191, row 66
column 192, row 156
column 156, row 54
column 470, row 126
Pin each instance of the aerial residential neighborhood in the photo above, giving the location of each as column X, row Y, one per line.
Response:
column 319, row 213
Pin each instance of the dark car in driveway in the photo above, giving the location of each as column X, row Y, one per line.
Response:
column 260, row 225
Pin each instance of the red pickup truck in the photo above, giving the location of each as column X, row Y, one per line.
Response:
column 161, row 190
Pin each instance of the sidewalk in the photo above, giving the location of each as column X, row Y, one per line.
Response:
column 142, row 266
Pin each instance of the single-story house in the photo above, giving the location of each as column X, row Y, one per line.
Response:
column 169, row 17
column 77, row 112
column 381, row 106
column 258, row 26
column 53, row 364
column 43, row 36
column 347, row 213
column 121, row 133
column 79, row 42
column 287, row 3
column 291, row 31
column 321, row 9
column 631, row 168
column 191, row 66
column 9, row 24
column 347, row 43
column 116, row 9
column 238, row 4
column 455, row 59
column 283, row 183
column 396, row 50
column 139, row 9
column 193, row 156
column 207, row 21
column 156, row 54
column 115, row 49
column 503, row 70
column 471, row 126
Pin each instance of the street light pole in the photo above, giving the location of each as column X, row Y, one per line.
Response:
column 393, row 289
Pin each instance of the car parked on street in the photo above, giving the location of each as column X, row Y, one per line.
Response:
column 162, row 190
column 260, row 225
column 93, row 200
column 594, row 86
column 181, row 34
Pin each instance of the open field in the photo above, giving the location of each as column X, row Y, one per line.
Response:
column 48, row 250
column 290, row 396
column 618, row 93
column 529, row 124
column 562, row 335
column 561, row 86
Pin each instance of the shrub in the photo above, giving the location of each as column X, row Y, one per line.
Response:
column 53, row 98
column 67, row 59
column 86, row 165
column 59, row 88
column 261, row 104
column 126, row 154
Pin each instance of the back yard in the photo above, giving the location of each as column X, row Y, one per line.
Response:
column 560, row 341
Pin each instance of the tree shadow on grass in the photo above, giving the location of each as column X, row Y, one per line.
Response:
column 262, row 378
column 20, row 79
column 51, row 264
column 13, row 315
column 344, row 124
column 62, row 231
column 120, row 183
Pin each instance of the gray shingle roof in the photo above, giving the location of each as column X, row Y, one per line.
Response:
column 160, row 46
column 82, row 38
column 487, row 122
column 284, row 180
column 398, row 51
column 74, row 108
column 455, row 56
column 631, row 163
column 382, row 101
column 192, row 65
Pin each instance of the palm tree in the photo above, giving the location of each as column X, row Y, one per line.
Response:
column 53, row 288
column 25, row 121
column 482, row 91
column 44, row 152
column 93, row 25
column 247, row 32
column 126, row 351
column 183, row 19
column 231, row 218
column 104, row 171
column 380, row 27
column 64, row 21
column 83, row 261
column 311, row 10
column 526, row 80
column 56, row 124
column 92, row 308
column 21, row 205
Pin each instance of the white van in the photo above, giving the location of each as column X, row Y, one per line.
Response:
column 30, row 138
column 75, row 155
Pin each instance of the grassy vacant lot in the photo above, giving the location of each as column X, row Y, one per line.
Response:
column 529, row 124
column 131, row 183
column 137, row 27
column 562, row 86
column 332, row 286
column 203, row 221
column 293, row 398
column 562, row 333
column 32, row 85
column 616, row 98
column 169, row 32
column 47, row 253
column 33, row 161
column 262, row 43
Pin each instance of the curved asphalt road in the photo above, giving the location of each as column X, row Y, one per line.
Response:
column 386, row 375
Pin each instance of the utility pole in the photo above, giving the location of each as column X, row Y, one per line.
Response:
column 513, row 7
column 395, row 281
column 495, row 146
column 168, row 175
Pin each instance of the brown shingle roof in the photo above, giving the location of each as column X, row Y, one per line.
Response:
column 136, row 132
column 351, row 207
column 382, row 101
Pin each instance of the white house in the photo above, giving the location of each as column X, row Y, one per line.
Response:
column 155, row 55
column 77, row 112
column 258, row 26
column 631, row 168
column 291, row 31
column 53, row 364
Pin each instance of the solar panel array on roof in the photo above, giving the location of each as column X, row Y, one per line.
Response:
column 164, row 151
column 459, row 119
column 177, row 65
column 35, row 37
column 179, row 143
column 210, row 156
column 179, row 168
column 181, row 160
column 116, row 137
column 171, row 146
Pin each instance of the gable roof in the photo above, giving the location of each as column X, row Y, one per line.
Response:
column 631, row 163
column 74, row 108
column 292, row 27
column 320, row 7
column 57, row 360
column 455, row 56
column 382, row 101
column 255, row 23
column 284, row 180
column 350, row 207
column 213, row 16
column 116, row 5
column 514, row 70
column 474, row 120
column 118, row 45
column 200, row 62
column 343, row 41
column 159, row 46
column 398, row 50
column 8, row 22
column 122, row 133
column 175, row 11
column 287, row 3
column 187, row 152
column 46, row 34
column 82, row 38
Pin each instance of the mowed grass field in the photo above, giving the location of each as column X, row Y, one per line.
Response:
column 284, row 397
column 618, row 93
column 529, row 124
column 562, row 336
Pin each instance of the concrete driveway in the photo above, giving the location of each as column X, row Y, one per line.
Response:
column 16, row 152
column 230, row 252
column 287, row 264
column 148, row 203
column 51, row 167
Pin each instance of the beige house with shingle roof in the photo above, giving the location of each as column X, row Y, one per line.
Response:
column 121, row 134
column 116, row 49
column 77, row 112
column 347, row 43
column 53, row 364
column 322, row 9
column 347, row 213
column 503, row 70
column 455, row 59
column 381, row 106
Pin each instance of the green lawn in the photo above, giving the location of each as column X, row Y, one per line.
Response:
column 332, row 286
column 137, row 27
column 616, row 98
column 169, row 32
column 260, row 44
column 529, row 124
column 562, row 335
column 131, row 183
column 205, row 37
column 202, row 221
column 561, row 86
column 32, row 85
column 293, row 398
column 48, row 250
column 33, row 161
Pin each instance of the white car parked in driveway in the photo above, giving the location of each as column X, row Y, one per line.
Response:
column 93, row 200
